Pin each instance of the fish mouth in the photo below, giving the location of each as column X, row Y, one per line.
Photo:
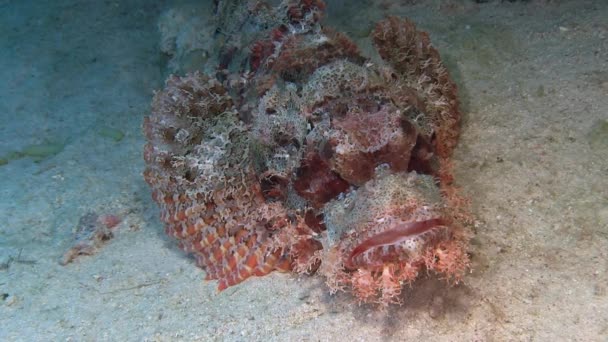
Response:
column 397, row 234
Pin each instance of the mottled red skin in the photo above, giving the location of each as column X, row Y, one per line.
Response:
column 259, row 52
column 317, row 183
column 394, row 235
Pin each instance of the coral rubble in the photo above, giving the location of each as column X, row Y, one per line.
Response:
column 305, row 156
column 92, row 232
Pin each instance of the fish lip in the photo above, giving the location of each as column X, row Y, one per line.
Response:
column 394, row 235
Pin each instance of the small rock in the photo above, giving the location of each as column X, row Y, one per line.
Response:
column 11, row 300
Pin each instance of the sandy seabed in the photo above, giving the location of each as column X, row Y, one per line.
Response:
column 78, row 76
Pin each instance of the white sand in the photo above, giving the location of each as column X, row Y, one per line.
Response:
column 533, row 157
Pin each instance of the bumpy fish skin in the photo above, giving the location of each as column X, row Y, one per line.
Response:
column 312, row 158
